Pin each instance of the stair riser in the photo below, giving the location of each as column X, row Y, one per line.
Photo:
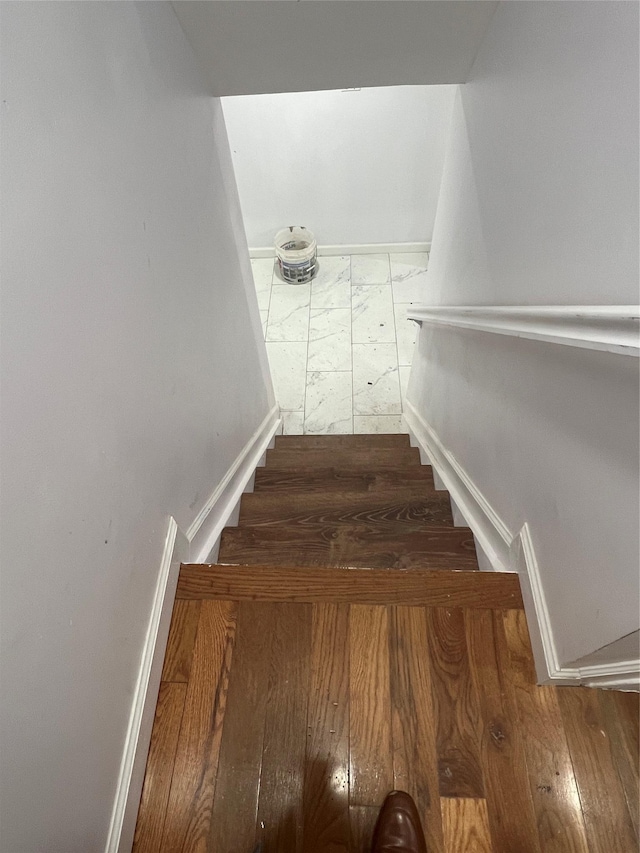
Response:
column 420, row 480
column 493, row 590
column 345, row 508
column 349, row 546
column 331, row 442
column 376, row 459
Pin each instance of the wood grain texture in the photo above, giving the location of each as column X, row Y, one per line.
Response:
column 368, row 458
column 620, row 712
column 235, row 806
column 362, row 545
column 349, row 442
column 390, row 509
column 307, row 692
column 182, row 638
column 157, row 780
column 363, row 822
column 280, row 820
column 414, row 479
column 192, row 788
column 465, row 823
column 552, row 783
column 456, row 706
column 494, row 590
column 607, row 820
column 371, row 765
column 326, row 778
column 509, row 804
column 415, row 759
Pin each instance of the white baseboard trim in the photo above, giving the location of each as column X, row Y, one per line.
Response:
column 458, row 518
column 622, row 675
column 484, row 563
column 487, row 526
column 351, row 249
column 205, row 530
column 502, row 551
column 145, row 697
column 201, row 538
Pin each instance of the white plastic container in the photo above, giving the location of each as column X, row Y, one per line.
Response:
column 297, row 254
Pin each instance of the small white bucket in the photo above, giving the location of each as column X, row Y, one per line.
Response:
column 297, row 253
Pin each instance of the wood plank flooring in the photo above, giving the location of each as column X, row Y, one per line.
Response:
column 298, row 718
column 346, row 646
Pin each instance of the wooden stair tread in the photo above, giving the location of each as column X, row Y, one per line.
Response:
column 349, row 479
column 322, row 442
column 422, row 588
column 368, row 458
column 333, row 507
column 363, row 545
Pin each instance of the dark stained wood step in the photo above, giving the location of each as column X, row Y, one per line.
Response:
column 349, row 479
column 342, row 442
column 363, row 545
column 390, row 507
column 421, row 588
column 371, row 459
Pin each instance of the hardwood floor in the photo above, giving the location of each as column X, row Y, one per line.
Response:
column 298, row 718
column 296, row 694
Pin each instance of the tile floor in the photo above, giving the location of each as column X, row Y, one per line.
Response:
column 340, row 348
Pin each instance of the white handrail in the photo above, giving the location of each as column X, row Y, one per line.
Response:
column 611, row 328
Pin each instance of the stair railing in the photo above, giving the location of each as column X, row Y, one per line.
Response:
column 610, row 328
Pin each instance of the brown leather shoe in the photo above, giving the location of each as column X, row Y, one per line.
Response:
column 398, row 829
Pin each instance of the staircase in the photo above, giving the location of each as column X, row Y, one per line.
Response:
column 345, row 644
column 351, row 500
column 326, row 506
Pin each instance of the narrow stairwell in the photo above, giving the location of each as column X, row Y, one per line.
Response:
column 345, row 644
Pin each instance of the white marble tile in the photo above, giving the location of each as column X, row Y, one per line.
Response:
column 370, row 269
column 263, row 319
column 289, row 312
column 288, row 363
column 328, row 406
column 372, row 314
column 331, row 287
column 408, row 276
column 262, row 269
column 378, row 423
column 376, row 386
column 330, row 339
column 406, row 333
column 404, row 371
column 292, row 422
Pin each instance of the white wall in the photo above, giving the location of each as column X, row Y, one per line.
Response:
column 539, row 205
column 131, row 379
column 354, row 167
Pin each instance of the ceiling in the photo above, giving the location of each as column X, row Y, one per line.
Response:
column 256, row 46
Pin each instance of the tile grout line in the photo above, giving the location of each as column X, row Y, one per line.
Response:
column 327, row 309
column 353, row 343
